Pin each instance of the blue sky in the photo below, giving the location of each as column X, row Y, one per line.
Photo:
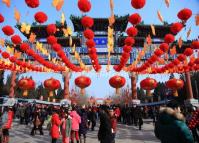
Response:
column 100, row 8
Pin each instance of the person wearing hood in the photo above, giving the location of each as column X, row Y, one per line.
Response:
column 171, row 126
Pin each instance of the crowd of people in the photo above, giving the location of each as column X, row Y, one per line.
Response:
column 71, row 123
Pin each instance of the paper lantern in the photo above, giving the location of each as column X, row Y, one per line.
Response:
column 52, row 84
column 87, row 21
column 1, row 18
column 56, row 47
column 158, row 52
column 13, row 59
column 51, row 40
column 181, row 57
column 148, row 84
column 129, row 41
column 135, row 19
column 184, row 14
column 164, row 47
column 195, row 45
column 5, row 55
column 84, row 5
column 51, row 29
column 8, row 30
column 169, row 38
column 127, row 49
column 176, row 27
column 138, row 4
column 89, row 34
column 175, row 84
column 90, row 43
column 32, row 3
column 41, row 17
column 132, row 31
column 16, row 39
column 82, row 82
column 26, row 84
column 24, row 46
column 188, row 52
column 117, row 82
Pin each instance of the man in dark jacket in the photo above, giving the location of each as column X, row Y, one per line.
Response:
column 171, row 127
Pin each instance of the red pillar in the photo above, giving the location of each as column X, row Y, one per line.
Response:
column 133, row 85
column 188, row 85
column 66, row 84
column 13, row 84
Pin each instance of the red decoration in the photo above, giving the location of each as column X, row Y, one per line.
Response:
column 8, row 30
column 90, row 43
column 84, row 5
column 135, row 19
column 188, row 52
column 82, row 82
column 184, row 14
column 158, row 52
column 13, row 59
column 52, row 84
column 16, row 39
column 51, row 40
column 138, row 4
column 5, row 55
column 195, row 44
column 51, row 29
column 32, row 3
column 148, row 84
column 175, row 84
column 129, row 41
column 127, row 49
column 176, row 27
column 24, row 47
column 117, row 82
column 26, row 84
column 56, row 47
column 164, row 47
column 169, row 38
column 1, row 18
column 181, row 57
column 92, row 51
column 132, row 31
column 87, row 22
column 89, row 34
column 41, row 17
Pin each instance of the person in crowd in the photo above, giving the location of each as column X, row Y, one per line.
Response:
column 7, row 118
column 27, row 114
column 66, row 124
column 83, row 127
column 113, row 119
column 22, row 113
column 171, row 126
column 55, row 123
column 93, row 118
column 104, row 133
column 37, row 122
column 140, row 120
column 76, row 120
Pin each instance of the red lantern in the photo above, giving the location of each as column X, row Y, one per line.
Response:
column 175, row 84
column 51, row 40
column 5, row 55
column 176, row 62
column 138, row 4
column 132, row 31
column 92, row 51
column 158, row 52
column 51, row 29
column 26, row 84
column 13, row 59
column 82, row 82
column 87, row 22
column 84, row 5
column 135, row 19
column 1, row 18
column 117, row 82
column 188, row 52
column 127, row 49
column 90, row 43
column 89, row 34
column 195, row 44
column 16, row 39
column 41, row 17
column 24, row 46
column 56, row 47
column 129, row 41
column 8, row 30
column 148, row 84
column 164, row 47
column 181, row 57
column 176, row 27
column 184, row 14
column 169, row 38
column 32, row 3
column 52, row 84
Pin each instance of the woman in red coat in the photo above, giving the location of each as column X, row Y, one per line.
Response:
column 55, row 123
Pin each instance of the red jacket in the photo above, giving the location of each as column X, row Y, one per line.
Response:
column 114, row 124
column 117, row 112
column 55, row 122
column 76, row 120
column 8, row 124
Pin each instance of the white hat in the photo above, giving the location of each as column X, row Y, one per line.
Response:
column 10, row 102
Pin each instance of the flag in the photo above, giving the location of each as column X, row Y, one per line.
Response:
column 59, row 5
column 160, row 16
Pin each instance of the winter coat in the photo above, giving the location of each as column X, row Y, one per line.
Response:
column 8, row 124
column 104, row 133
column 83, row 127
column 66, row 127
column 76, row 120
column 55, row 122
column 114, row 124
column 171, row 127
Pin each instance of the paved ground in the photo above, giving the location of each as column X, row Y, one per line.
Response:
column 126, row 134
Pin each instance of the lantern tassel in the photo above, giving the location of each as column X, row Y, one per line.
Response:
column 117, row 91
column 82, row 91
column 25, row 93
column 148, row 92
column 175, row 93
column 50, row 93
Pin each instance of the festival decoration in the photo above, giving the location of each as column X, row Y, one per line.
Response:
column 138, row 4
column 84, row 5
column 169, row 38
column 51, row 29
column 26, row 84
column 117, row 82
column 51, row 40
column 8, row 30
column 52, row 85
column 132, row 31
column 135, row 19
column 195, row 45
column 32, row 3
column 16, row 39
column 175, row 84
column 87, row 21
column 41, row 17
column 82, row 82
column 176, row 27
column 184, row 14
column 1, row 18
column 148, row 84
column 17, row 15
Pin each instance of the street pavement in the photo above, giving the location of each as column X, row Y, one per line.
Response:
column 125, row 134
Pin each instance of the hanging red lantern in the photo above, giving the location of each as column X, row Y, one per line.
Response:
column 32, row 3
column 132, row 31
column 56, row 47
column 117, row 82
column 129, row 41
column 8, row 30
column 52, row 84
column 158, row 52
column 127, row 49
column 90, row 43
column 195, row 45
column 188, row 52
column 164, row 47
column 89, row 34
column 148, row 84
column 176, row 27
column 175, row 84
column 87, row 21
column 138, row 4
column 16, row 39
column 135, row 19
column 51, row 29
column 26, row 84
column 181, row 57
column 51, row 40
column 176, row 62
column 13, row 59
column 82, row 82
column 1, row 18
column 184, row 14
column 169, row 38
column 24, row 46
column 84, row 5
column 41, row 17
column 92, row 51
column 5, row 55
